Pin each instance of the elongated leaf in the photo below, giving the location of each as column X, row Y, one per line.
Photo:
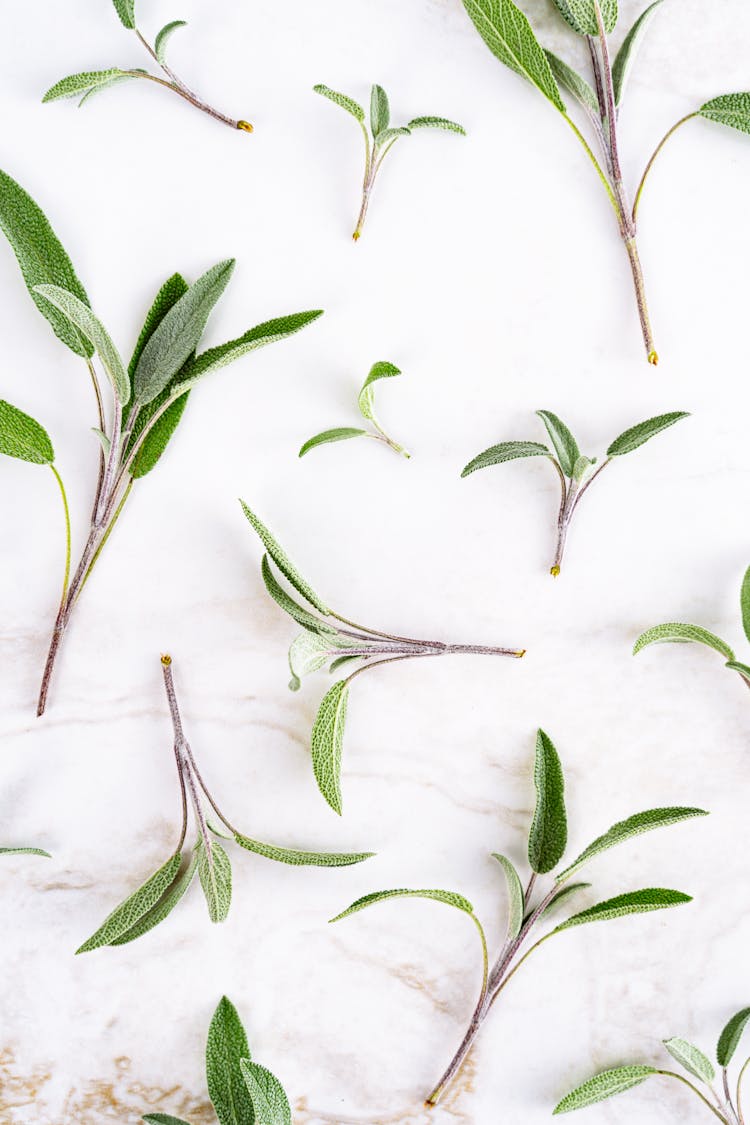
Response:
column 42, row 259
column 572, row 81
column 340, row 661
column 302, row 616
column 267, row 333
column 164, row 906
column 297, row 858
column 743, row 669
column 436, row 123
column 386, row 135
column 366, row 400
column 158, row 437
column 626, row 829
column 126, row 11
column 679, row 632
column 125, row 76
column 449, row 898
column 581, row 15
column 309, row 652
column 95, row 332
column 282, row 561
column 215, row 874
column 745, row 602
column 632, row 902
column 505, row 451
column 730, row 1037
column 342, row 433
column 729, row 109
column 162, row 39
column 581, row 467
column 327, row 743
column 508, row 34
column 225, row 1048
column 626, row 56
column 691, row 1058
column 22, row 437
column 341, row 99
column 549, row 828
column 515, row 896
column 562, row 896
column 129, row 912
column 270, row 1103
column 380, row 113
column 25, row 851
column 73, row 85
column 164, row 1119
column 168, row 296
column 643, row 432
column 603, row 1086
column 565, row 445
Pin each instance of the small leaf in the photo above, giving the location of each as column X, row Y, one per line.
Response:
column 309, row 652
column 565, row 445
column 126, row 76
column 743, row 669
column 730, row 1037
column 380, row 113
column 95, row 332
column 626, row 56
column 86, row 82
column 104, row 441
column 549, row 828
column 302, row 616
column 581, row 15
column 643, row 432
column 449, row 898
column 729, row 109
column 508, row 34
column 267, row 333
column 215, row 874
column 506, row 451
column 572, row 81
column 341, row 99
column 603, row 1086
column 327, row 436
column 633, row 902
column 366, row 400
column 125, row 916
column 387, row 135
column 327, row 743
column 745, row 603
column 164, row 1119
column 581, row 467
column 562, row 896
column 291, row 574
column 126, row 11
column 25, row 851
column 302, row 859
column 515, row 897
column 340, row 661
column 436, row 123
column 164, row 906
column 270, row 1103
column 226, row 1046
column 691, row 1058
column 679, row 632
column 158, row 437
column 160, row 43
column 22, row 437
column 626, row 829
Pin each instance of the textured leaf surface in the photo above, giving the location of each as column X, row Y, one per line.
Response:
column 603, row 1086
column 572, row 81
column 297, row 858
column 549, row 828
column 328, row 741
column 22, row 437
column 515, row 896
column 94, row 331
column 743, row 669
column 164, row 906
column 74, row 85
column 628, row 52
column 508, row 34
column 581, row 15
column 643, row 432
column 680, row 632
column 267, row 333
column 341, row 433
column 225, row 1048
column 164, row 1119
column 729, row 109
column 125, row 916
column 632, row 902
column 301, row 615
column 380, row 112
column 730, row 1037
column 345, row 102
column 505, row 451
column 126, row 11
column 25, row 851
column 380, row 370
column 745, row 602
column 270, row 1103
column 215, row 874
column 282, row 561
column 691, row 1058
column 162, row 39
column 565, row 445
column 634, row 825
column 158, row 437
column 562, row 896
column 449, row 898
column 386, row 135
column 436, row 123
column 309, row 652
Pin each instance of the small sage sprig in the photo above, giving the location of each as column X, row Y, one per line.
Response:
column 147, row 398
column 508, row 33
column 681, row 633
column 324, row 642
column 723, row 1103
column 526, row 909
column 241, row 1091
column 25, row 851
column 152, row 902
column 575, row 470
column 90, row 82
column 382, row 136
column 366, row 403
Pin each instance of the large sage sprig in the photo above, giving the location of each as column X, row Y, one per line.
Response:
column 329, row 638
column 366, row 402
column 724, row 1103
column 147, row 399
column 529, row 907
column 90, row 82
column 575, row 470
column 508, row 33
column 155, row 899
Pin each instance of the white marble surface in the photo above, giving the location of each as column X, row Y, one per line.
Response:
column 491, row 272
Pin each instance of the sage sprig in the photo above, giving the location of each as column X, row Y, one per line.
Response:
column 366, row 402
column 90, row 82
column 509, row 35
column 146, row 399
column 242, row 1092
column 25, row 851
column 324, row 642
column 381, row 137
column 575, row 470
column 528, row 907
column 723, row 1103
column 680, row 633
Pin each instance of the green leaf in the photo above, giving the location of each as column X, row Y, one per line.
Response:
column 743, row 669
column 436, row 123
column 380, row 113
column 626, row 56
column 679, row 632
column 745, row 603
column 327, row 436
column 226, row 1047
column 515, row 896
column 22, row 437
column 549, row 828
column 366, row 400
column 691, row 1058
column 25, row 851
column 309, row 652
column 215, row 874
column 267, row 333
column 604, row 1085
column 84, row 83
column 449, row 898
column 126, row 11
column 164, row 1119
column 565, row 445
column 729, row 109
column 125, row 76
column 626, row 829
column 632, row 902
column 168, row 296
column 302, row 616
column 158, row 437
column 282, row 561
column 730, row 1037
column 341, row 99
column 562, row 896
column 94, row 331
column 340, row 661
column 164, row 906
column 581, row 15
column 327, row 743
column 160, row 43
column 508, row 34
column 386, row 135
column 505, row 451
column 581, row 467
column 270, row 1103
column 643, row 432
column 302, row 859
column 41, row 258
column 572, row 81
column 129, row 912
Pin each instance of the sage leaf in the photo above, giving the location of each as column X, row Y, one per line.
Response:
column 565, row 445
column 631, row 45
column 297, row 858
column 267, row 333
column 632, row 902
column 581, row 467
column 164, row 1119
column 95, row 332
column 282, row 561
column 729, row 109
column 581, row 15
column 125, row 76
column 436, row 123
column 679, row 632
column 549, row 829
column 22, row 437
column 604, row 1085
column 341, row 99
column 270, row 1103
column 743, row 669
column 164, row 906
column 730, row 1037
column 626, row 829
column 691, row 1058
column 515, row 896
column 225, row 1048
column 342, row 433
column 84, row 83
column 643, row 432
column 508, row 34
column 366, row 400
column 25, row 851
column 505, row 451
column 309, row 652
column 380, row 112
column 126, row 11
column 572, row 81
column 745, row 602
column 340, row 661
column 158, row 437
column 160, row 43
column 327, row 742
column 387, row 135
column 215, row 874
column 562, row 896
column 449, row 898
column 168, row 296
column 129, row 912
column 302, row 616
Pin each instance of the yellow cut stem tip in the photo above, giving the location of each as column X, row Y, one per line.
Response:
column 554, row 571
column 653, row 358
column 356, row 235
column 521, row 652
column 245, row 126
column 166, row 659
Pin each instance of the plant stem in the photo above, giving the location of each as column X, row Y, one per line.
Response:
column 739, row 1091
column 654, row 155
column 108, row 531
column 66, row 510
column 366, row 192
column 696, row 1091
column 102, row 428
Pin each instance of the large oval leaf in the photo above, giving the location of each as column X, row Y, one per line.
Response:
column 691, row 1058
column 679, row 632
column 508, row 34
column 730, row 1037
column 22, row 437
column 603, row 1086
column 225, row 1048
column 549, row 828
column 505, row 451
column 380, row 113
column 729, row 109
column 327, row 743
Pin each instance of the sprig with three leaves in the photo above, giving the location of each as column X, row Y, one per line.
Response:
column 509, row 35
column 155, row 899
column 382, row 136
column 330, row 639
column 366, row 402
column 526, row 909
column 90, row 82
column 724, row 1104
column 575, row 470
column 147, row 398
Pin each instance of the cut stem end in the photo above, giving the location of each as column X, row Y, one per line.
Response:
column 554, row 571
column 245, row 126
column 653, row 358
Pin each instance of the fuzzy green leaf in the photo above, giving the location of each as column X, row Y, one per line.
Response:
column 340, row 661
column 643, row 432
column 549, row 828
column 366, row 400
column 22, row 437
column 25, row 851
column 626, row 829
column 164, row 906
column 342, row 433
column 125, row 76
column 581, row 467
column 129, row 912
column 386, row 135
column 515, row 896
column 309, row 652
column 603, row 1086
column 581, row 15
column 572, row 81
column 84, row 83
column 691, row 1058
column 327, row 743
column 341, row 99
column 679, row 632
column 505, row 451
column 215, row 874
column 729, row 109
column 302, row 616
column 267, row 333
column 380, row 112
column 562, row 896
column 632, row 902
column 730, row 1037
column 449, row 898
column 158, row 437
column 164, row 1119
column 565, row 445
column 436, row 123
column 743, row 669
column 745, row 602
column 166, row 33
column 126, row 11
column 282, row 561
column 302, row 859
column 168, row 296
column 270, row 1103
column 94, row 331
column 631, row 45
column 508, row 34
column 225, row 1048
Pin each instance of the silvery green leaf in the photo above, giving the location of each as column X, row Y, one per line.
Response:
column 581, row 15
column 581, row 467
column 515, row 896
column 168, row 296
column 267, row 333
column 160, row 43
column 449, row 898
column 549, row 828
column 508, row 34
column 562, row 896
column 745, row 602
column 380, row 113
column 386, row 135
column 164, row 1119
column 309, row 652
column 505, row 451
column 679, row 632
column 436, row 123
column 380, row 370
column 340, row 661
column 126, row 11
column 41, row 258
column 743, row 669
column 296, row 858
column 73, row 85
column 94, row 331
column 164, row 906
column 603, row 1086
column 643, row 432
column 125, row 916
column 730, row 1037
column 341, row 99
column 104, row 441
column 270, row 1103
column 226, row 1046
column 215, row 874
column 626, row 829
column 572, row 81
column 22, row 437
column 282, row 561
column 691, row 1058
column 302, row 616
column 729, row 109
column 626, row 56
column 565, row 445
column 126, row 76
column 632, row 902
column 342, row 433
column 327, row 743
column 25, row 851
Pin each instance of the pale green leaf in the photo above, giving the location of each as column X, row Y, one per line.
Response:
column 632, row 902
column 730, row 1037
column 164, row 906
column 270, row 1103
column 309, row 652
column 380, row 370
column 549, row 829
column 302, row 616
column 340, row 661
column 581, row 467
column 126, row 76
column 94, row 331
column 679, row 632
column 380, row 113
column 643, row 432
column 691, row 1058
column 626, row 829
column 562, row 896
column 341, row 99
column 225, row 1048
column 282, row 561
column 508, row 34
column 565, row 445
column 342, row 433
column 626, row 56
column 126, row 11
column 267, row 333
column 505, row 451
column 436, row 123
column 327, row 743
column 386, row 135
column 572, row 81
column 160, row 43
column 215, row 874
column 25, row 851
column 164, row 1119
column 515, row 896
column 104, row 441
column 603, row 1086
column 297, row 858
column 581, row 15
column 449, row 898
column 86, row 82
column 743, row 669
column 129, row 912
column 22, row 437
column 729, row 109
column 745, row 602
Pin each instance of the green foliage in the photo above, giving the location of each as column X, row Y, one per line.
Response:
column 732, row 110
column 342, row 100
column 269, row 332
column 215, row 874
column 75, row 85
column 302, row 859
column 745, row 602
column 604, row 1085
column 436, row 123
column 327, row 743
column 581, row 15
column 564, row 444
column 380, row 112
column 226, row 1047
column 680, row 632
column 128, row 913
column 25, row 851
column 632, row 902
column 638, row 435
column 508, row 34
column 730, row 1037
column 270, row 1103
column 628, row 52
column 366, row 403
column 22, row 437
column 572, row 81
column 297, row 612
column 691, row 1058
column 162, row 39
column 94, row 331
column 341, row 433
column 505, row 451
column 549, row 829
column 626, row 829
column 515, row 896
column 448, row 898
column 126, row 11
column 283, row 562
column 166, row 904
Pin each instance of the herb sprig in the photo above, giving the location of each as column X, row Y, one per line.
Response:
column 527, row 909
column 366, row 402
column 25, row 851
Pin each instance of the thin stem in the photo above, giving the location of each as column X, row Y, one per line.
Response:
column 485, row 956
column 211, row 801
column 591, row 480
column 696, row 1091
column 529, row 889
column 740, row 1114
column 103, row 429
column 595, row 162
column 596, row 67
column 609, row 94
column 727, row 1096
column 657, row 150
column 66, row 510
column 111, row 467
column 108, row 531
column 183, row 793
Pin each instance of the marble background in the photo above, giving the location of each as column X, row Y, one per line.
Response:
column 491, row 272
